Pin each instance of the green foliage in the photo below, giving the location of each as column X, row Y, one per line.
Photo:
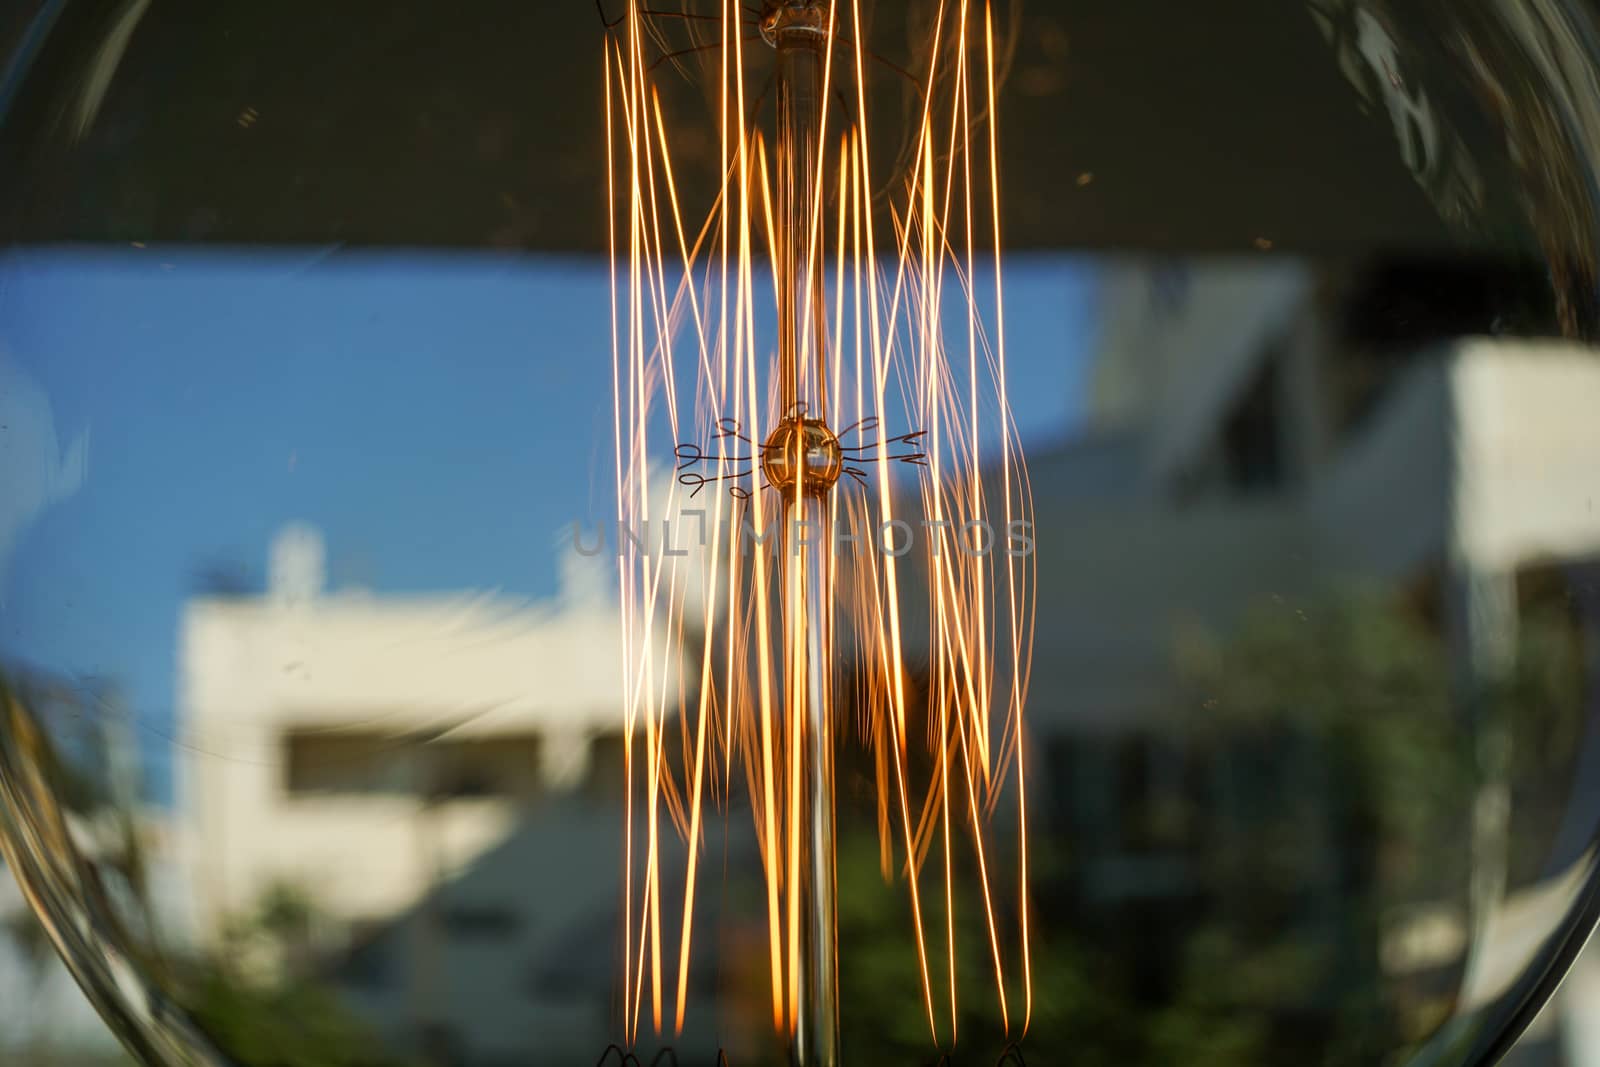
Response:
column 884, row 1018
column 1359, row 683
column 278, row 1015
column 286, row 912
column 293, row 1023
column 1351, row 748
column 1346, row 779
column 1540, row 703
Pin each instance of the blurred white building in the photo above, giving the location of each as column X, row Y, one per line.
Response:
column 439, row 775
column 1230, row 456
column 1238, row 448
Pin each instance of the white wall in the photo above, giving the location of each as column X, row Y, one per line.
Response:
column 253, row 669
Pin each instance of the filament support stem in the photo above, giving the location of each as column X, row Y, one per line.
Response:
column 803, row 459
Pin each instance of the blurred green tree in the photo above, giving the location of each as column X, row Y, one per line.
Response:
column 260, row 999
column 1341, row 765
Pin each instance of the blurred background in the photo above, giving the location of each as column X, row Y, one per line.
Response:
column 305, row 386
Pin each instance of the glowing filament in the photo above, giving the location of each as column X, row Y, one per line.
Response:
column 881, row 405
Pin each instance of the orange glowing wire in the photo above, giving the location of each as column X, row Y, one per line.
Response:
column 902, row 371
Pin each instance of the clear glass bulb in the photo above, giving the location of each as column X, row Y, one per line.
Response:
column 406, row 654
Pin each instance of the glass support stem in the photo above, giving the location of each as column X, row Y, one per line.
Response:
column 803, row 381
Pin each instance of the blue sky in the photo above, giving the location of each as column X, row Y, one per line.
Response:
column 442, row 418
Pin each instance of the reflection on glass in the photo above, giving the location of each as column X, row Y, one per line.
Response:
column 1312, row 677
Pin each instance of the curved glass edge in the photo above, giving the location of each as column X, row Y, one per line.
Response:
column 66, row 892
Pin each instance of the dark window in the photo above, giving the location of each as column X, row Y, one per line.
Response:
column 1252, row 437
column 481, row 921
column 326, row 762
column 576, row 964
column 1061, row 755
column 368, row 763
column 490, row 767
column 606, row 767
column 1132, row 780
